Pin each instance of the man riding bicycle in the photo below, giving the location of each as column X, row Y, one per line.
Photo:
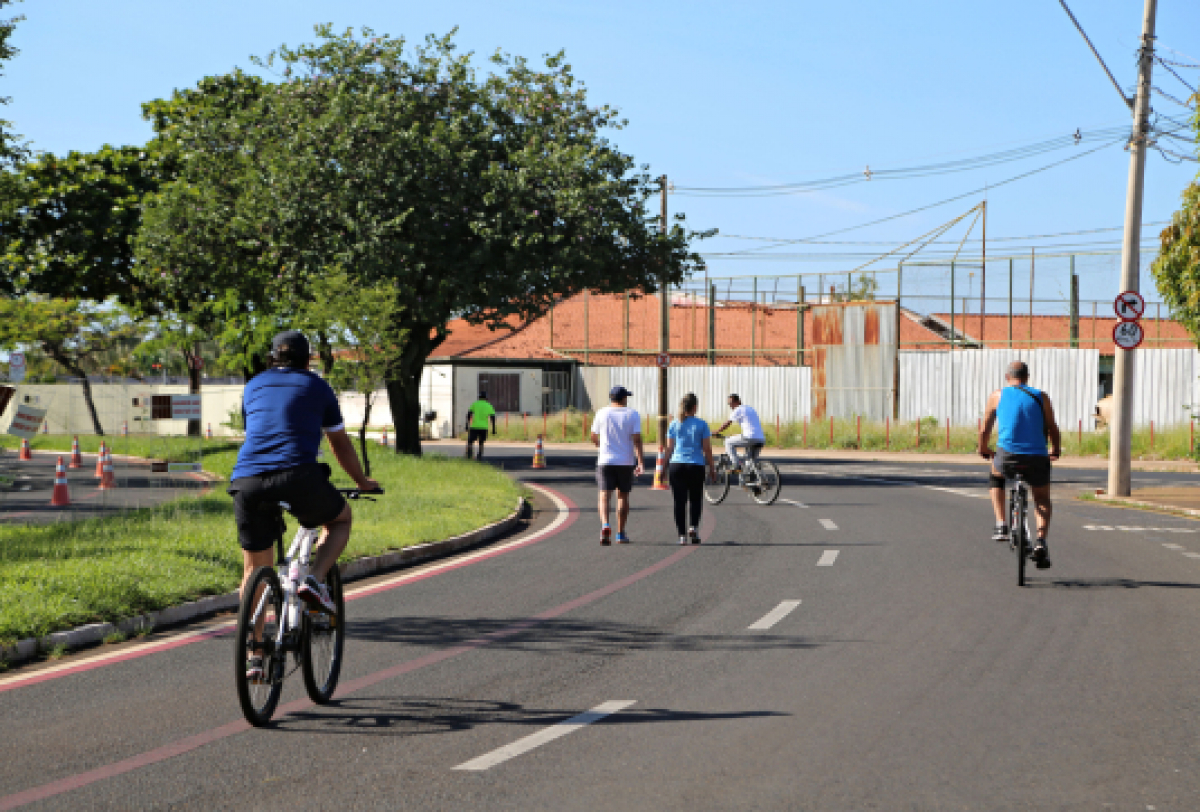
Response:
column 1025, row 418
column 751, row 440
column 285, row 409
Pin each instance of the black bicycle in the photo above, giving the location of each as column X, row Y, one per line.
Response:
column 274, row 622
column 1018, row 522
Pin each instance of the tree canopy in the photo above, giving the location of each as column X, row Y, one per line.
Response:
column 474, row 196
column 12, row 149
column 1177, row 269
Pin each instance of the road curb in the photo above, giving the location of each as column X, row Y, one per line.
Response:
column 356, row 570
column 1131, row 502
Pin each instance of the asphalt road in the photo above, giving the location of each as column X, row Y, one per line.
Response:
column 863, row 646
column 27, row 499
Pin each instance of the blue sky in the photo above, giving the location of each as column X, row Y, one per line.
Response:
column 717, row 94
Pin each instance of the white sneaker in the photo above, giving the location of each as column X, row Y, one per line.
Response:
column 683, row 540
column 316, row 595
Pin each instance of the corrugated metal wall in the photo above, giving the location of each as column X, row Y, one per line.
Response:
column 957, row 385
column 854, row 359
column 782, row 391
column 1164, row 384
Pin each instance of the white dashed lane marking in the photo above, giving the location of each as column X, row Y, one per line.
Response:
column 774, row 616
column 827, row 558
column 828, row 524
column 1127, row 529
column 534, row 740
column 794, row 502
column 1173, row 546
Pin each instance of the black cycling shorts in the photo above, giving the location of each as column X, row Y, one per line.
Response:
column 314, row 502
column 615, row 477
column 1035, row 468
column 476, row 435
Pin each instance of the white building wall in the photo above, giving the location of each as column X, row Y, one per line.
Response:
column 68, row 413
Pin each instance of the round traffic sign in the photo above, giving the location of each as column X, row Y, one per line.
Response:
column 16, row 359
column 196, row 362
column 1128, row 335
column 663, row 360
column 1129, row 306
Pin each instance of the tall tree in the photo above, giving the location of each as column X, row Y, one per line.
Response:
column 76, row 334
column 361, row 320
column 1177, row 269
column 479, row 196
column 12, row 149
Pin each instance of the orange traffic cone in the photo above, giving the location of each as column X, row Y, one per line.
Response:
column 384, row 442
column 76, row 457
column 62, row 495
column 25, row 454
column 660, row 476
column 539, row 454
column 107, row 480
column 100, row 460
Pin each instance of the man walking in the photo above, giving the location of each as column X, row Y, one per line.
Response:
column 477, row 423
column 1026, row 421
column 617, row 432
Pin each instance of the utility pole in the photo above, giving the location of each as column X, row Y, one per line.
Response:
column 664, row 336
column 1119, row 478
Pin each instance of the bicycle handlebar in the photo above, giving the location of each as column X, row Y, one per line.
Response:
column 356, row 493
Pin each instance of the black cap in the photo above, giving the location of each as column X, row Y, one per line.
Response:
column 291, row 347
column 619, row 393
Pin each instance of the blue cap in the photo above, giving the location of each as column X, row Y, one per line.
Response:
column 618, row 392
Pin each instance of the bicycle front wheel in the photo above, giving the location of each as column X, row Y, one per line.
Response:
column 766, row 490
column 259, row 620
column 1020, row 536
column 324, row 639
column 716, row 491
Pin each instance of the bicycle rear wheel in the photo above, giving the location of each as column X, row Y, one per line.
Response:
column 766, row 490
column 1020, row 535
column 716, row 491
column 261, row 609
column 324, row 639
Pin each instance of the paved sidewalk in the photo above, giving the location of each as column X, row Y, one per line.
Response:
column 1178, row 499
column 1093, row 463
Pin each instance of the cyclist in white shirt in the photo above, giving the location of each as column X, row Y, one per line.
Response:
column 617, row 432
column 751, row 440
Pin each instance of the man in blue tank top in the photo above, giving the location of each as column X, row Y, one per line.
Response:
column 1025, row 421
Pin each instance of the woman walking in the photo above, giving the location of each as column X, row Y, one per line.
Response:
column 689, row 450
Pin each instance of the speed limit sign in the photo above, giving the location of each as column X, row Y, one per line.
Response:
column 1128, row 335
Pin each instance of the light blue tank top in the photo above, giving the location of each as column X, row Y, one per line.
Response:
column 1021, row 421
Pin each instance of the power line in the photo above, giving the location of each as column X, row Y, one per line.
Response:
column 993, row 239
column 990, row 186
column 907, row 173
column 1128, row 101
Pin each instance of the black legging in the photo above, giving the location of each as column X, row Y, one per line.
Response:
column 687, row 483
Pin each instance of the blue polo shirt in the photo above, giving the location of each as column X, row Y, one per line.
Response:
column 286, row 412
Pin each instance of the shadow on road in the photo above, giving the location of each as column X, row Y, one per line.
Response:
column 1107, row 583
column 562, row 636
column 388, row 715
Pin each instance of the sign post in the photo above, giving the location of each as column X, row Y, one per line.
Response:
column 16, row 367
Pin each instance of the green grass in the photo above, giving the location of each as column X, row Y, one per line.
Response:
column 1174, row 443
column 58, row 576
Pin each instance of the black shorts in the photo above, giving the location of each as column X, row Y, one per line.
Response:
column 614, row 477
column 476, row 434
column 314, row 501
column 1035, row 467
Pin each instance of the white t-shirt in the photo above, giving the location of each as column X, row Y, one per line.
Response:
column 616, row 425
column 747, row 418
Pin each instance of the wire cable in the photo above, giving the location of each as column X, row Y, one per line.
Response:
column 1128, row 101
column 989, row 187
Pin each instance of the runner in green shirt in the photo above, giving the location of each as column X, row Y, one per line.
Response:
column 477, row 423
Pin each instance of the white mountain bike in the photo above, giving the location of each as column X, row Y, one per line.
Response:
column 759, row 477
column 274, row 622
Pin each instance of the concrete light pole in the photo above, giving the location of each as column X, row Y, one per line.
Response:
column 1119, row 478
column 664, row 336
